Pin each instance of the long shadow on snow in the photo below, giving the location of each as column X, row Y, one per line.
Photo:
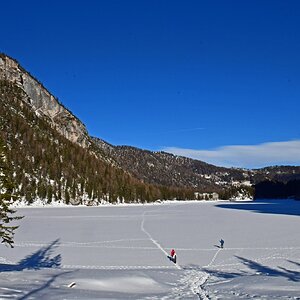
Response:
column 217, row 273
column 295, row 263
column 267, row 206
column 44, row 286
column 37, row 260
column 283, row 272
column 291, row 275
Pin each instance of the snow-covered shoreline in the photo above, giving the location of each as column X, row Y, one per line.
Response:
column 43, row 204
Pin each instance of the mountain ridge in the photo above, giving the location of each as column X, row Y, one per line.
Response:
column 198, row 174
column 43, row 102
column 158, row 171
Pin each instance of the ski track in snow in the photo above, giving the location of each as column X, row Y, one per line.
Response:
column 93, row 216
column 94, row 244
column 98, row 245
column 193, row 279
column 197, row 279
column 153, row 240
column 3, row 260
column 10, row 290
column 118, row 267
column 214, row 258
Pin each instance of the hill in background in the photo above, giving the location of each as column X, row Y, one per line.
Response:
column 52, row 157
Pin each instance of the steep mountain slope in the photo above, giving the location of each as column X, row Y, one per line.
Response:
column 167, row 169
column 53, row 157
column 43, row 103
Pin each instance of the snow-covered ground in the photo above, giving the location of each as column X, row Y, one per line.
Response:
column 121, row 252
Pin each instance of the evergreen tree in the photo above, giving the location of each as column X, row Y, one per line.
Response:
column 6, row 199
column 48, row 166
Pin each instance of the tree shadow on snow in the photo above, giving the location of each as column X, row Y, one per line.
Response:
column 295, row 263
column 282, row 272
column 216, row 273
column 267, row 206
column 43, row 258
column 222, row 274
column 260, row 269
column 46, row 285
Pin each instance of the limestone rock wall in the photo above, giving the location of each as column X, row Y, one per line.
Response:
column 44, row 103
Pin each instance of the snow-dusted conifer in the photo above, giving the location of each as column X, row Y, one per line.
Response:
column 6, row 199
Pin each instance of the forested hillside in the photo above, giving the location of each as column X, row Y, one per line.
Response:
column 46, row 165
column 52, row 157
column 168, row 169
column 278, row 189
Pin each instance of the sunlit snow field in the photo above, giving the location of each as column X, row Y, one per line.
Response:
column 121, row 252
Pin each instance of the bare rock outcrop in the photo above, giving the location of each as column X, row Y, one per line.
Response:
column 43, row 102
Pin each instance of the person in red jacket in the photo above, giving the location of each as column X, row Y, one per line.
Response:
column 173, row 256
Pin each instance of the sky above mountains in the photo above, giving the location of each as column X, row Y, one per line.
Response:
column 214, row 80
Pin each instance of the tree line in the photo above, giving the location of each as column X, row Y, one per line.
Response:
column 46, row 165
column 275, row 189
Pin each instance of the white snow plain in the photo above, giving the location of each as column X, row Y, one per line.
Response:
column 121, row 252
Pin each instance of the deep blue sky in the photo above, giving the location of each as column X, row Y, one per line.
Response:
column 158, row 74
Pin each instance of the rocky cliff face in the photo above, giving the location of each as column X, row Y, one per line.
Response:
column 44, row 103
column 153, row 168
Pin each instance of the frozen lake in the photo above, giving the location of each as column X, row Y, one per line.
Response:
column 121, row 252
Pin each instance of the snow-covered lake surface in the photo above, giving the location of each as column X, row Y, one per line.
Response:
column 121, row 252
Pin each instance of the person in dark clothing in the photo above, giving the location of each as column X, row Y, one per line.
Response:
column 222, row 243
